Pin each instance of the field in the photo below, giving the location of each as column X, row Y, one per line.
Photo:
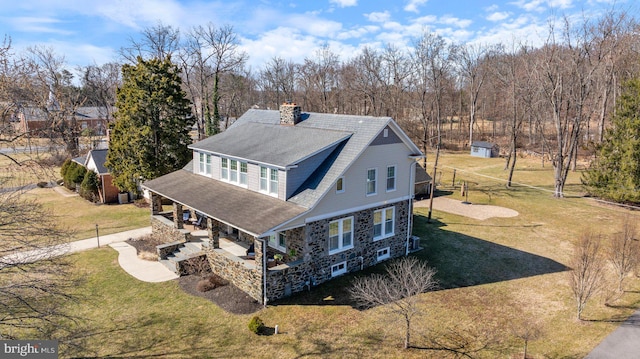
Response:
column 498, row 278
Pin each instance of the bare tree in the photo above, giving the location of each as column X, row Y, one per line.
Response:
column 398, row 290
column 34, row 279
column 159, row 41
column 587, row 270
column 277, row 81
column 624, row 250
column 225, row 57
column 473, row 70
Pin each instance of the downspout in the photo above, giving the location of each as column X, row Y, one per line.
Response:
column 412, row 172
column 264, row 272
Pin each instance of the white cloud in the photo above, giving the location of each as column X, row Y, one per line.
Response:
column 39, row 25
column 451, row 20
column 412, row 5
column 378, row 16
column 344, row 3
column 498, row 16
column 357, row 33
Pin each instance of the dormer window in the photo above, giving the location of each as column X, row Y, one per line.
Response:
column 204, row 164
column 233, row 171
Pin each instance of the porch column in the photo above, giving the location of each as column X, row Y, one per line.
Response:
column 177, row 216
column 156, row 204
column 213, row 230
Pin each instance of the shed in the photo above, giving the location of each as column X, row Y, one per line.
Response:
column 422, row 182
column 484, row 149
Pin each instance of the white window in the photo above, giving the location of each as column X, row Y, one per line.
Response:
column 278, row 241
column 372, row 175
column 243, row 173
column 383, row 254
column 340, row 235
column 207, row 167
column 233, row 172
column 340, row 185
column 263, row 179
column 391, row 178
column 224, row 169
column 383, row 223
column 338, row 269
column 202, row 162
column 273, row 182
column 385, row 133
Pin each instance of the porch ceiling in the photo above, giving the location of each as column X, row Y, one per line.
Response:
column 248, row 211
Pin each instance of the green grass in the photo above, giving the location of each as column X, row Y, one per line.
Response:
column 81, row 216
column 495, row 276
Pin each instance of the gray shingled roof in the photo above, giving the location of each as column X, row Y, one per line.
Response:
column 258, row 136
column 99, row 157
column 363, row 130
column 482, row 144
column 251, row 211
column 272, row 144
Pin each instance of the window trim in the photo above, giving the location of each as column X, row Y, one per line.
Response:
column 374, row 181
column 264, row 189
column 274, row 241
column 395, row 172
column 341, row 232
column 273, row 184
column 224, row 168
column 337, row 271
column 382, row 257
column 383, row 224
column 340, row 185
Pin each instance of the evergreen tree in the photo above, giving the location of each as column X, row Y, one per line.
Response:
column 615, row 173
column 150, row 134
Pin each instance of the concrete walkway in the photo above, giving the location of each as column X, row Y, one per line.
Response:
column 147, row 271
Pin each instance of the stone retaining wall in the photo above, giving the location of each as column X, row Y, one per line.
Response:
column 163, row 228
column 236, row 270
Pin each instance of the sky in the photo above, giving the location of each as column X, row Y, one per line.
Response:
column 88, row 32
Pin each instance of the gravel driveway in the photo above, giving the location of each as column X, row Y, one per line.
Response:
column 475, row 211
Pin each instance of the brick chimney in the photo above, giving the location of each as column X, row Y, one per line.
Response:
column 290, row 113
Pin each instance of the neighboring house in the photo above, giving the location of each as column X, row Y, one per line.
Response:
column 329, row 194
column 36, row 120
column 484, row 149
column 94, row 161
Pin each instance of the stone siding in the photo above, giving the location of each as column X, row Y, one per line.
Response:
column 164, row 229
column 315, row 265
column 246, row 275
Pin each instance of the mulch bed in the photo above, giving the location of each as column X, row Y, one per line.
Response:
column 227, row 297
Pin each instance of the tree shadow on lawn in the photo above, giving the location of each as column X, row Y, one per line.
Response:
column 463, row 261
column 460, row 261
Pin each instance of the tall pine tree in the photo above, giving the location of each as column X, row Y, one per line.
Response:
column 615, row 173
column 150, row 135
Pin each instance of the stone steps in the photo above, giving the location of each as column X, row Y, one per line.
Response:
column 184, row 252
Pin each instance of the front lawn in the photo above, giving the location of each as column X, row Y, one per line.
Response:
column 497, row 277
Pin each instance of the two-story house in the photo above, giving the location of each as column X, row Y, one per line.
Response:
column 327, row 194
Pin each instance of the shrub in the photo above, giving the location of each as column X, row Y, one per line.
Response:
column 256, row 325
column 65, row 167
column 89, row 186
column 205, row 285
column 74, row 174
column 42, row 184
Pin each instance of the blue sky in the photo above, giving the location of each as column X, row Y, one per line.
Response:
column 91, row 32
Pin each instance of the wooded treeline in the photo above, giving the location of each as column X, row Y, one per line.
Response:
column 554, row 99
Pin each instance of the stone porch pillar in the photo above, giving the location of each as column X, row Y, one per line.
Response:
column 156, row 204
column 213, row 230
column 177, row 216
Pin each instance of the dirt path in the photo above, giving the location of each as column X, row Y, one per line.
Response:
column 475, row 211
